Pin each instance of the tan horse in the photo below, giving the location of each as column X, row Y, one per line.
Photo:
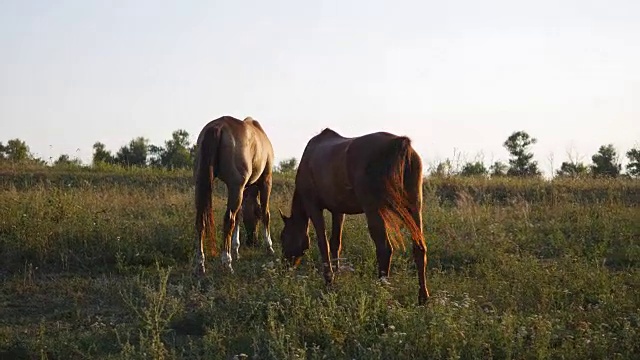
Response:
column 240, row 154
column 378, row 174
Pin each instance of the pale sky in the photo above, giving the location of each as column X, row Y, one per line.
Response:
column 453, row 75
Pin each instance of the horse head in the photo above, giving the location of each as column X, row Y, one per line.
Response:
column 294, row 238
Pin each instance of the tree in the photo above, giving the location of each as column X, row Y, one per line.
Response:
column 16, row 150
column 572, row 169
column 474, row 169
column 177, row 153
column 605, row 162
column 521, row 163
column 633, row 167
column 64, row 160
column 155, row 155
column 134, row 154
column 288, row 166
column 498, row 169
column 101, row 155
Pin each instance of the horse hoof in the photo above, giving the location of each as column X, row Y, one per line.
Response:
column 270, row 251
column 199, row 271
column 423, row 298
column 328, row 278
column 228, row 268
column 384, row 281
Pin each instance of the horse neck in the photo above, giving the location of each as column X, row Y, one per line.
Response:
column 298, row 212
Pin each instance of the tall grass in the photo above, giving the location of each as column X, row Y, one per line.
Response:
column 517, row 269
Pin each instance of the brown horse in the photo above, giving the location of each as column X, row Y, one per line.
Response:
column 377, row 174
column 240, row 154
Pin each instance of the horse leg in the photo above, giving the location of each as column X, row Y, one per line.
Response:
column 250, row 213
column 234, row 200
column 203, row 212
column 235, row 240
column 337, row 219
column 378, row 233
column 323, row 245
column 264, row 187
column 199, row 244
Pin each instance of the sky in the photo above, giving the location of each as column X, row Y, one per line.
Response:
column 458, row 77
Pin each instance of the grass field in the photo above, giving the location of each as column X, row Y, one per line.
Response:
column 98, row 265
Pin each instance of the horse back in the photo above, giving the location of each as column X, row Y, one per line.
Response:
column 334, row 168
column 329, row 148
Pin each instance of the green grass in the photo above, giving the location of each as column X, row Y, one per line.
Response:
column 98, row 265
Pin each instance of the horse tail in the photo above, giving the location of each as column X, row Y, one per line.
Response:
column 387, row 179
column 208, row 154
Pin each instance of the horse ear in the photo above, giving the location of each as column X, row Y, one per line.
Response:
column 284, row 218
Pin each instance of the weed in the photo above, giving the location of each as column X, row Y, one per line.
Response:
column 97, row 264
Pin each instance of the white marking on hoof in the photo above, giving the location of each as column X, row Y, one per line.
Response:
column 235, row 241
column 226, row 261
column 199, row 264
column 199, row 260
column 267, row 240
column 384, row 281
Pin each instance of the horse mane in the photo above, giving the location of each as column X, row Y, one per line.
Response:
column 386, row 173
